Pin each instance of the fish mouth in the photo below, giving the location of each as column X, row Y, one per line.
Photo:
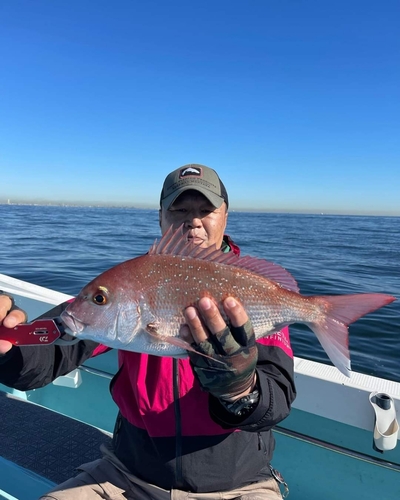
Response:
column 72, row 325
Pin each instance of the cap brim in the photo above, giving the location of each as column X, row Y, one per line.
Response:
column 213, row 198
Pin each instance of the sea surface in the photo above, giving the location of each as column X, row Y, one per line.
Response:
column 65, row 247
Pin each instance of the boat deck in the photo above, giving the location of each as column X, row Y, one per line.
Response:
column 41, row 446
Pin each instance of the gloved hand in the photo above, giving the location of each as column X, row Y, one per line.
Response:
column 229, row 369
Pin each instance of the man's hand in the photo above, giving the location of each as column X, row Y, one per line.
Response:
column 10, row 316
column 232, row 374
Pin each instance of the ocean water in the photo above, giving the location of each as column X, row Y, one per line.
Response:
column 65, row 247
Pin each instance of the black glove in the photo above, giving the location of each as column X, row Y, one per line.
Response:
column 229, row 369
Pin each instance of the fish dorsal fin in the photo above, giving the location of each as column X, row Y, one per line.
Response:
column 269, row 270
column 176, row 243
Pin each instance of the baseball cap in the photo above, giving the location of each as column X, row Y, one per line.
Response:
column 197, row 177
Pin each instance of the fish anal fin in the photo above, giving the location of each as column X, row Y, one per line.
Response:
column 334, row 338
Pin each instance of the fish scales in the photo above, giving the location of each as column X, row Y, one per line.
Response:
column 185, row 281
column 138, row 305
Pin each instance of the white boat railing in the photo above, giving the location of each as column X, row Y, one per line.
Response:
column 15, row 286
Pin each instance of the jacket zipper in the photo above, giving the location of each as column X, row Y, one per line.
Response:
column 178, row 423
column 261, row 444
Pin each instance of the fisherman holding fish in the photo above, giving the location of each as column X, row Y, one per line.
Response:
column 203, row 376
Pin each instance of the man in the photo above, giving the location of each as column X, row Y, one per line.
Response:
column 190, row 427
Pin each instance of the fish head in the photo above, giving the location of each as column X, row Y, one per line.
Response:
column 104, row 312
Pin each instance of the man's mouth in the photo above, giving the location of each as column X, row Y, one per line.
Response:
column 195, row 239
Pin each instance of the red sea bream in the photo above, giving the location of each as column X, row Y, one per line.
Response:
column 138, row 305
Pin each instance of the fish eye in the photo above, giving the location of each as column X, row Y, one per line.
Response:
column 100, row 298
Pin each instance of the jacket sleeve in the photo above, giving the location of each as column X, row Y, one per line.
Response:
column 275, row 374
column 31, row 367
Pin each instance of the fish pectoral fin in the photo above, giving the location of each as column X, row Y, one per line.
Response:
column 152, row 329
column 177, row 341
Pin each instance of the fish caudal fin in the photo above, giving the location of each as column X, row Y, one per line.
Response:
column 339, row 312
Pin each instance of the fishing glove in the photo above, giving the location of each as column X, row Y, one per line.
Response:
column 230, row 366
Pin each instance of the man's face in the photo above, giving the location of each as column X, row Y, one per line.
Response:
column 202, row 222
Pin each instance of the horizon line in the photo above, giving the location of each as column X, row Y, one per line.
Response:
column 141, row 206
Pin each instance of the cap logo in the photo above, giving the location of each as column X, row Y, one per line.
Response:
column 189, row 172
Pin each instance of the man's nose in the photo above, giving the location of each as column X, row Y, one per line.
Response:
column 193, row 222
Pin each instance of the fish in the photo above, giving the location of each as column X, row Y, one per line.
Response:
column 138, row 305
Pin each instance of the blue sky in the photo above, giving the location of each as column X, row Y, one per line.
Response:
column 295, row 103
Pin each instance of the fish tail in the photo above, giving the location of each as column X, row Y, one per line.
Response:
column 338, row 312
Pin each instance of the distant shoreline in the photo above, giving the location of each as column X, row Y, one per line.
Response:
column 232, row 209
